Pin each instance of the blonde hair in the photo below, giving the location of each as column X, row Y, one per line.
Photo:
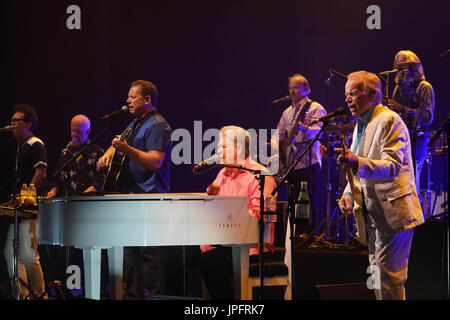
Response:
column 370, row 83
column 408, row 56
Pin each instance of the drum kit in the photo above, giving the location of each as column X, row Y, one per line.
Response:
column 433, row 193
column 433, row 178
column 337, row 227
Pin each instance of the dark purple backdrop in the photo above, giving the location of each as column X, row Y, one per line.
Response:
column 221, row 62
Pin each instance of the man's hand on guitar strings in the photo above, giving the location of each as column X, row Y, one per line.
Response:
column 350, row 160
column 103, row 162
column 346, row 204
column 119, row 145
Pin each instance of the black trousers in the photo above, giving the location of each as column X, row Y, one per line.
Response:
column 143, row 271
column 216, row 269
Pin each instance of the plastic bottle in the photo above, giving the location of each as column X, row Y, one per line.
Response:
column 24, row 190
column 32, row 190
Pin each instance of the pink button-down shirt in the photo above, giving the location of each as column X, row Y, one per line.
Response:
column 243, row 183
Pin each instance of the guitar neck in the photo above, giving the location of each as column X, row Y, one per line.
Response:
column 348, row 171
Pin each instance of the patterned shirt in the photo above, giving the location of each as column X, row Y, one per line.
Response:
column 82, row 172
column 420, row 95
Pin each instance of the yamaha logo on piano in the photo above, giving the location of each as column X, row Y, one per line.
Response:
column 229, row 223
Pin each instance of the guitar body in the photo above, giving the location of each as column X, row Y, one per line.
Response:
column 115, row 167
column 360, row 220
column 287, row 155
column 355, row 186
column 288, row 148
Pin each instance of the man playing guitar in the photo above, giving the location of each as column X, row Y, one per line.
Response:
column 145, row 170
column 295, row 134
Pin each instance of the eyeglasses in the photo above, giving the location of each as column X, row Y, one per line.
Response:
column 15, row 120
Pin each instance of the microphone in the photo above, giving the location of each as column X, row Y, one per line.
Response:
column 328, row 81
column 444, row 54
column 6, row 128
column 337, row 74
column 286, row 98
column 115, row 113
column 325, row 118
column 207, row 162
column 388, row 72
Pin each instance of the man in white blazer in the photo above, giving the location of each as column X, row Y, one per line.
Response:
column 384, row 188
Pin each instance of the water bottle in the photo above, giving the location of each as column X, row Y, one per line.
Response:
column 302, row 212
column 24, row 190
column 32, row 190
column 270, row 219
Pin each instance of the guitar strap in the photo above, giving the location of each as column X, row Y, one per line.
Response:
column 305, row 109
column 137, row 126
column 302, row 113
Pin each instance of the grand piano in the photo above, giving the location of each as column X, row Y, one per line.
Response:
column 112, row 222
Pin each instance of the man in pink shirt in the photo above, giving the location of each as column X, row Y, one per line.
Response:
column 215, row 262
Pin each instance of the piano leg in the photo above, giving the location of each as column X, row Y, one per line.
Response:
column 240, row 271
column 92, row 264
column 115, row 261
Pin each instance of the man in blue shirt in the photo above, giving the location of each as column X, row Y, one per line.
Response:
column 145, row 170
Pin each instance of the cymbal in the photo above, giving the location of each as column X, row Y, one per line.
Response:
column 340, row 127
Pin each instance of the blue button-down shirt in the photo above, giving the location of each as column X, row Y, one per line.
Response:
column 363, row 120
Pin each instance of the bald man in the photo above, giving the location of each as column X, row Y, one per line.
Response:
column 81, row 175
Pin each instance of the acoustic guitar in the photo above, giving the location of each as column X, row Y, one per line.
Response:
column 115, row 166
column 360, row 221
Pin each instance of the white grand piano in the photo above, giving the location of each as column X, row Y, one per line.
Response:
column 112, row 222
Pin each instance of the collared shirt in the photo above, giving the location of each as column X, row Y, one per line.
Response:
column 154, row 134
column 422, row 96
column 82, row 172
column 286, row 124
column 363, row 120
column 31, row 154
column 243, row 183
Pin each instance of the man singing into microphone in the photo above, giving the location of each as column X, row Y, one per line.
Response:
column 295, row 132
column 215, row 262
column 414, row 99
column 383, row 176
column 145, row 170
column 31, row 168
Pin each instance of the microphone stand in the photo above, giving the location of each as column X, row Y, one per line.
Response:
column 291, row 201
column 75, row 156
column 67, row 252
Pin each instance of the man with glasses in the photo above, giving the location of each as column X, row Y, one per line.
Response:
column 30, row 168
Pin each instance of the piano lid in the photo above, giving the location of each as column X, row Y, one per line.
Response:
column 140, row 197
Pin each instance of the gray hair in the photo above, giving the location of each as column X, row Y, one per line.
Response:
column 240, row 137
column 370, row 83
